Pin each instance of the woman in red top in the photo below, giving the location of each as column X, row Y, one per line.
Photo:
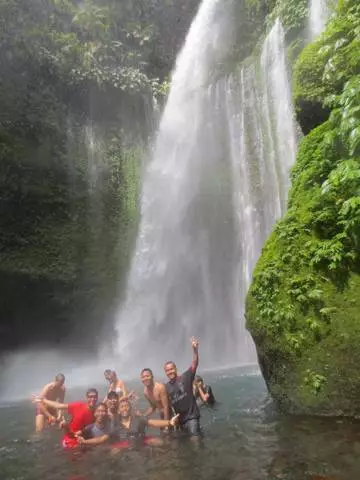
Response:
column 82, row 414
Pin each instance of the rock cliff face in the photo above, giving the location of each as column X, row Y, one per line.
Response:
column 76, row 90
column 303, row 307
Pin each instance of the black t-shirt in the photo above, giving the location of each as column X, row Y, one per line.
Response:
column 135, row 431
column 182, row 398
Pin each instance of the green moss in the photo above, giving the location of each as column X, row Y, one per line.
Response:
column 304, row 302
column 326, row 64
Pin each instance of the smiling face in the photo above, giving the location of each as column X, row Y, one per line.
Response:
column 113, row 403
column 100, row 413
column 110, row 376
column 92, row 398
column 125, row 409
column 147, row 378
column 170, row 370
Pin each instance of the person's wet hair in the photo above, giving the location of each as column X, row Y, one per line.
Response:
column 92, row 390
column 170, row 362
column 111, row 395
column 108, row 372
column 60, row 377
column 198, row 379
column 147, row 370
column 101, row 405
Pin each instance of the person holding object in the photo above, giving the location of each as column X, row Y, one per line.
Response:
column 181, row 395
column 203, row 393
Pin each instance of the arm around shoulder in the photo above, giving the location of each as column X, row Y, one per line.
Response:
column 93, row 441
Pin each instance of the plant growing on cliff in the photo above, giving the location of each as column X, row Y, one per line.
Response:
column 315, row 248
column 292, row 13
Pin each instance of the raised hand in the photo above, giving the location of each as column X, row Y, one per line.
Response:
column 194, row 343
column 62, row 423
column 174, row 420
column 52, row 420
column 35, row 398
column 133, row 396
column 80, row 440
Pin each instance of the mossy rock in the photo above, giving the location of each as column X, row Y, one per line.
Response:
column 303, row 307
column 324, row 66
column 310, row 92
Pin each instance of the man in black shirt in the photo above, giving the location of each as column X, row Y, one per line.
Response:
column 181, row 396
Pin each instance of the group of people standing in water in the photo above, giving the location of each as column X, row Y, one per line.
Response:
column 116, row 420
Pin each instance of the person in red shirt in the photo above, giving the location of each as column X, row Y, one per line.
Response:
column 82, row 414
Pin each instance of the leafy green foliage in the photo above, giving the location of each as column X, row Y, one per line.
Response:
column 325, row 65
column 302, row 307
column 314, row 381
column 292, row 13
column 76, row 90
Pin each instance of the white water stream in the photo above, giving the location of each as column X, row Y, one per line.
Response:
column 217, row 182
column 318, row 16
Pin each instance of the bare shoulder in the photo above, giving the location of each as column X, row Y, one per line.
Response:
column 160, row 387
column 48, row 386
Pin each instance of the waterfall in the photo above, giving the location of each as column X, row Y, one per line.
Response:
column 319, row 13
column 216, row 184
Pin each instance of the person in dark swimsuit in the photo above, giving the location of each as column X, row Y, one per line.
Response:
column 132, row 428
column 181, row 395
column 203, row 393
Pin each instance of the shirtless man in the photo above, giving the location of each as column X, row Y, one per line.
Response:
column 155, row 393
column 54, row 391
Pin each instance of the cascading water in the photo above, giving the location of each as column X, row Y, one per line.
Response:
column 217, row 182
column 319, row 14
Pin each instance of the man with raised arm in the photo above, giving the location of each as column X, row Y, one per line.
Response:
column 181, row 396
column 82, row 414
column 156, row 394
column 55, row 391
